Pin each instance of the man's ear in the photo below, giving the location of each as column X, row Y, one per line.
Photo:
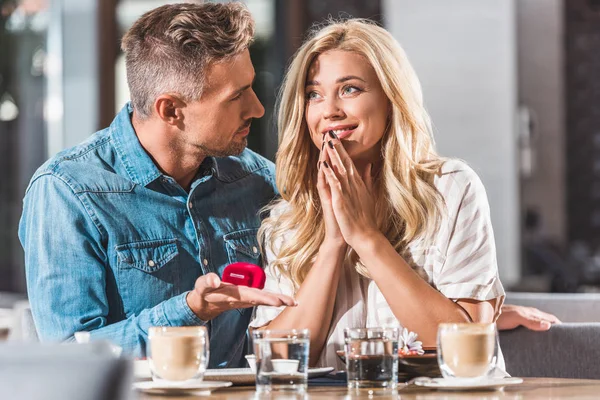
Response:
column 169, row 109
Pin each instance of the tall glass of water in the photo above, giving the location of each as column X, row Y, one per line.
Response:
column 372, row 357
column 281, row 360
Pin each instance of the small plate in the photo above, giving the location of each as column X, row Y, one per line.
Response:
column 198, row 387
column 461, row 384
column 238, row 376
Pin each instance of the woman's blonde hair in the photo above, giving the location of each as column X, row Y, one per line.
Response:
column 408, row 205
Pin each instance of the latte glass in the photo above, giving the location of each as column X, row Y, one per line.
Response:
column 177, row 354
column 467, row 351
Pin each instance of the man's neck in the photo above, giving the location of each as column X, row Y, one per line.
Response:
column 166, row 152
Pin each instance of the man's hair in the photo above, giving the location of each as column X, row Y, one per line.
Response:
column 169, row 49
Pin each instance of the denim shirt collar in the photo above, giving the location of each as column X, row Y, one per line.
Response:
column 138, row 164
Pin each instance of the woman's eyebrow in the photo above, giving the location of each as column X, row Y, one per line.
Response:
column 349, row 78
column 339, row 80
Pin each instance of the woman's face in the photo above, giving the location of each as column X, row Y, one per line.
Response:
column 343, row 94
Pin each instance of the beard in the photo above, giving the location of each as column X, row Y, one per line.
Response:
column 232, row 149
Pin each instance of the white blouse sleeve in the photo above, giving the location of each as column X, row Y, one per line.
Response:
column 470, row 269
column 275, row 283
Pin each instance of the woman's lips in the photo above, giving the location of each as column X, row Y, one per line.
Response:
column 341, row 134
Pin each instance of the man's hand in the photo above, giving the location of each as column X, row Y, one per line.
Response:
column 531, row 318
column 211, row 297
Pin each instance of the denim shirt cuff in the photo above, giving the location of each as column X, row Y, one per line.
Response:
column 177, row 312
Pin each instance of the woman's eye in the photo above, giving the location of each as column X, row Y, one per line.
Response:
column 312, row 96
column 350, row 90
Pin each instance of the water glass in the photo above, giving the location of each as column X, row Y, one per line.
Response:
column 467, row 351
column 177, row 354
column 371, row 357
column 281, row 360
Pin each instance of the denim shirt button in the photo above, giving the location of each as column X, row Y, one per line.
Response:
column 205, row 262
column 254, row 249
column 190, row 205
column 151, row 263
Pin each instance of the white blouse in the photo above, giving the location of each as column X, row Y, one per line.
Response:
column 460, row 263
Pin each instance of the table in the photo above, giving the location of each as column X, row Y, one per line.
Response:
column 531, row 388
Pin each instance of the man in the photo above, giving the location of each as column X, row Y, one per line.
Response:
column 117, row 229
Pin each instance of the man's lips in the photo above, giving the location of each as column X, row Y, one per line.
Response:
column 244, row 132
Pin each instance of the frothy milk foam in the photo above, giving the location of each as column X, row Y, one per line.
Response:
column 468, row 354
column 177, row 358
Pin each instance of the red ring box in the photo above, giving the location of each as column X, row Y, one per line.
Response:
column 244, row 274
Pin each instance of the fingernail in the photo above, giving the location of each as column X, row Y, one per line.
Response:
column 325, row 163
column 333, row 135
column 545, row 324
column 323, row 145
column 319, row 165
column 330, row 143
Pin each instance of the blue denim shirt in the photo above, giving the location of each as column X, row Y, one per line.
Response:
column 112, row 245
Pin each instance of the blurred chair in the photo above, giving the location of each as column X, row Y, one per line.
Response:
column 568, row 307
column 8, row 300
column 568, row 350
column 23, row 329
column 28, row 330
column 36, row 371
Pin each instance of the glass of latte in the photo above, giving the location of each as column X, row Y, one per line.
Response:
column 177, row 354
column 467, row 350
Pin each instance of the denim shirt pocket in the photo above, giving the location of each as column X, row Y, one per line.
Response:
column 148, row 273
column 242, row 246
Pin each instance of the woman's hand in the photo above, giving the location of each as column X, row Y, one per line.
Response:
column 333, row 235
column 350, row 194
column 531, row 318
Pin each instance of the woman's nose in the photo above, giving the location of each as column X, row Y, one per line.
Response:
column 333, row 109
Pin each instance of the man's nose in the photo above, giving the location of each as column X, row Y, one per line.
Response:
column 256, row 109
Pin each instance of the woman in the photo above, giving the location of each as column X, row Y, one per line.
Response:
column 374, row 228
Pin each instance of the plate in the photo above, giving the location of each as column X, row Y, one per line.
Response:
column 198, row 387
column 461, row 384
column 410, row 367
column 238, row 376
column 245, row 376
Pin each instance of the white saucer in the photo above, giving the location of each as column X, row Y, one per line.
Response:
column 461, row 384
column 198, row 387
column 239, row 376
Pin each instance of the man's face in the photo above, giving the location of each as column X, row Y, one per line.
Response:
column 219, row 123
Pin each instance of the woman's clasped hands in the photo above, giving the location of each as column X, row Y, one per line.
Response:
column 346, row 195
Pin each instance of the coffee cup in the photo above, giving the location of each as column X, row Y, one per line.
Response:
column 467, row 350
column 177, row 354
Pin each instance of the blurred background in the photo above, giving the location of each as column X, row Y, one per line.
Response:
column 513, row 88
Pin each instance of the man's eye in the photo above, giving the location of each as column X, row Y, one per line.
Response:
column 312, row 96
column 237, row 96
